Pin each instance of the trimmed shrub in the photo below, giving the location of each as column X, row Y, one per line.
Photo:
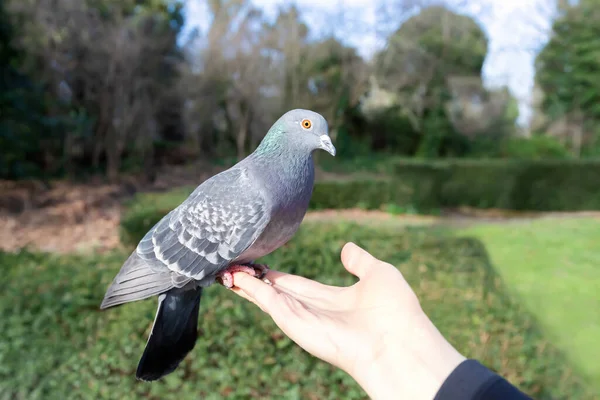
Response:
column 425, row 186
column 558, row 186
column 365, row 194
column 488, row 184
column 534, row 148
column 532, row 185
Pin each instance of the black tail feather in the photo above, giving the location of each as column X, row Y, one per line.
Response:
column 173, row 335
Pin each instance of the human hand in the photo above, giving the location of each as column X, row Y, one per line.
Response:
column 375, row 330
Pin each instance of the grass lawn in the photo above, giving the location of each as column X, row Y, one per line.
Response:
column 57, row 344
column 552, row 266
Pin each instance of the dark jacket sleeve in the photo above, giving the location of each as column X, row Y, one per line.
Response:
column 472, row 381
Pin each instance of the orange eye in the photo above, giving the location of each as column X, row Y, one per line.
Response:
column 306, row 124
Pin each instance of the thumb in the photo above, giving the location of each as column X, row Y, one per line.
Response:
column 357, row 260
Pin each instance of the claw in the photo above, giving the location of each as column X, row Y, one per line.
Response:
column 263, row 269
column 256, row 270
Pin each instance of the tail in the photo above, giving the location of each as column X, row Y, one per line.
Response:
column 173, row 335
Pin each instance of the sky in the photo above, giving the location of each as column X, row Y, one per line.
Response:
column 516, row 30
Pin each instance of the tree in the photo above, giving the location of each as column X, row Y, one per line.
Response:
column 566, row 72
column 116, row 58
column 286, row 40
column 476, row 111
column 335, row 80
column 420, row 57
column 248, row 72
column 23, row 108
column 229, row 80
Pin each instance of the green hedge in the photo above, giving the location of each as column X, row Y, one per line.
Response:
column 527, row 185
column 426, row 187
column 557, row 185
column 366, row 194
column 57, row 344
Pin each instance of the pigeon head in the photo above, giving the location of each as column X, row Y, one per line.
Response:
column 299, row 130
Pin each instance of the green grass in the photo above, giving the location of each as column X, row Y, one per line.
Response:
column 57, row 344
column 553, row 267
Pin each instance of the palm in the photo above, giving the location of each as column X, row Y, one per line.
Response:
column 375, row 330
column 334, row 323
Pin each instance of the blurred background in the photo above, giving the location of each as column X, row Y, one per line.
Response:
column 468, row 154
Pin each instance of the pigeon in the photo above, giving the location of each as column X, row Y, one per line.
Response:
column 228, row 222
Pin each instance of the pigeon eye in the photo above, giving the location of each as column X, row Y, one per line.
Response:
column 306, row 124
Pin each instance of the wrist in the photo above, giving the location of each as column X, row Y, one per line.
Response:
column 411, row 364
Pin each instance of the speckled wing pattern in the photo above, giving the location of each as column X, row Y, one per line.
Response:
column 215, row 225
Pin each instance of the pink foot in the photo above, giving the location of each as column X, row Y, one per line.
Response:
column 255, row 270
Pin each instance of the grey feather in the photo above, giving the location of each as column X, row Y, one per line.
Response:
column 137, row 280
column 211, row 228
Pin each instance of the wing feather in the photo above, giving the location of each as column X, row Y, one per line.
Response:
column 211, row 228
column 215, row 225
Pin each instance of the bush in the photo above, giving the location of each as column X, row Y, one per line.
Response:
column 366, row 194
column 534, row 148
column 57, row 344
column 426, row 186
column 380, row 163
column 537, row 147
column 542, row 185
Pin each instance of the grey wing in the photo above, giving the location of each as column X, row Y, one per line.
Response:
column 211, row 228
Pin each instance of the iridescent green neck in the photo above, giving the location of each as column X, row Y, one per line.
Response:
column 272, row 141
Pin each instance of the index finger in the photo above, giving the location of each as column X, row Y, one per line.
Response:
column 262, row 294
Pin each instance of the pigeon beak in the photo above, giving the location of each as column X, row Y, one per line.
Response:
column 325, row 144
